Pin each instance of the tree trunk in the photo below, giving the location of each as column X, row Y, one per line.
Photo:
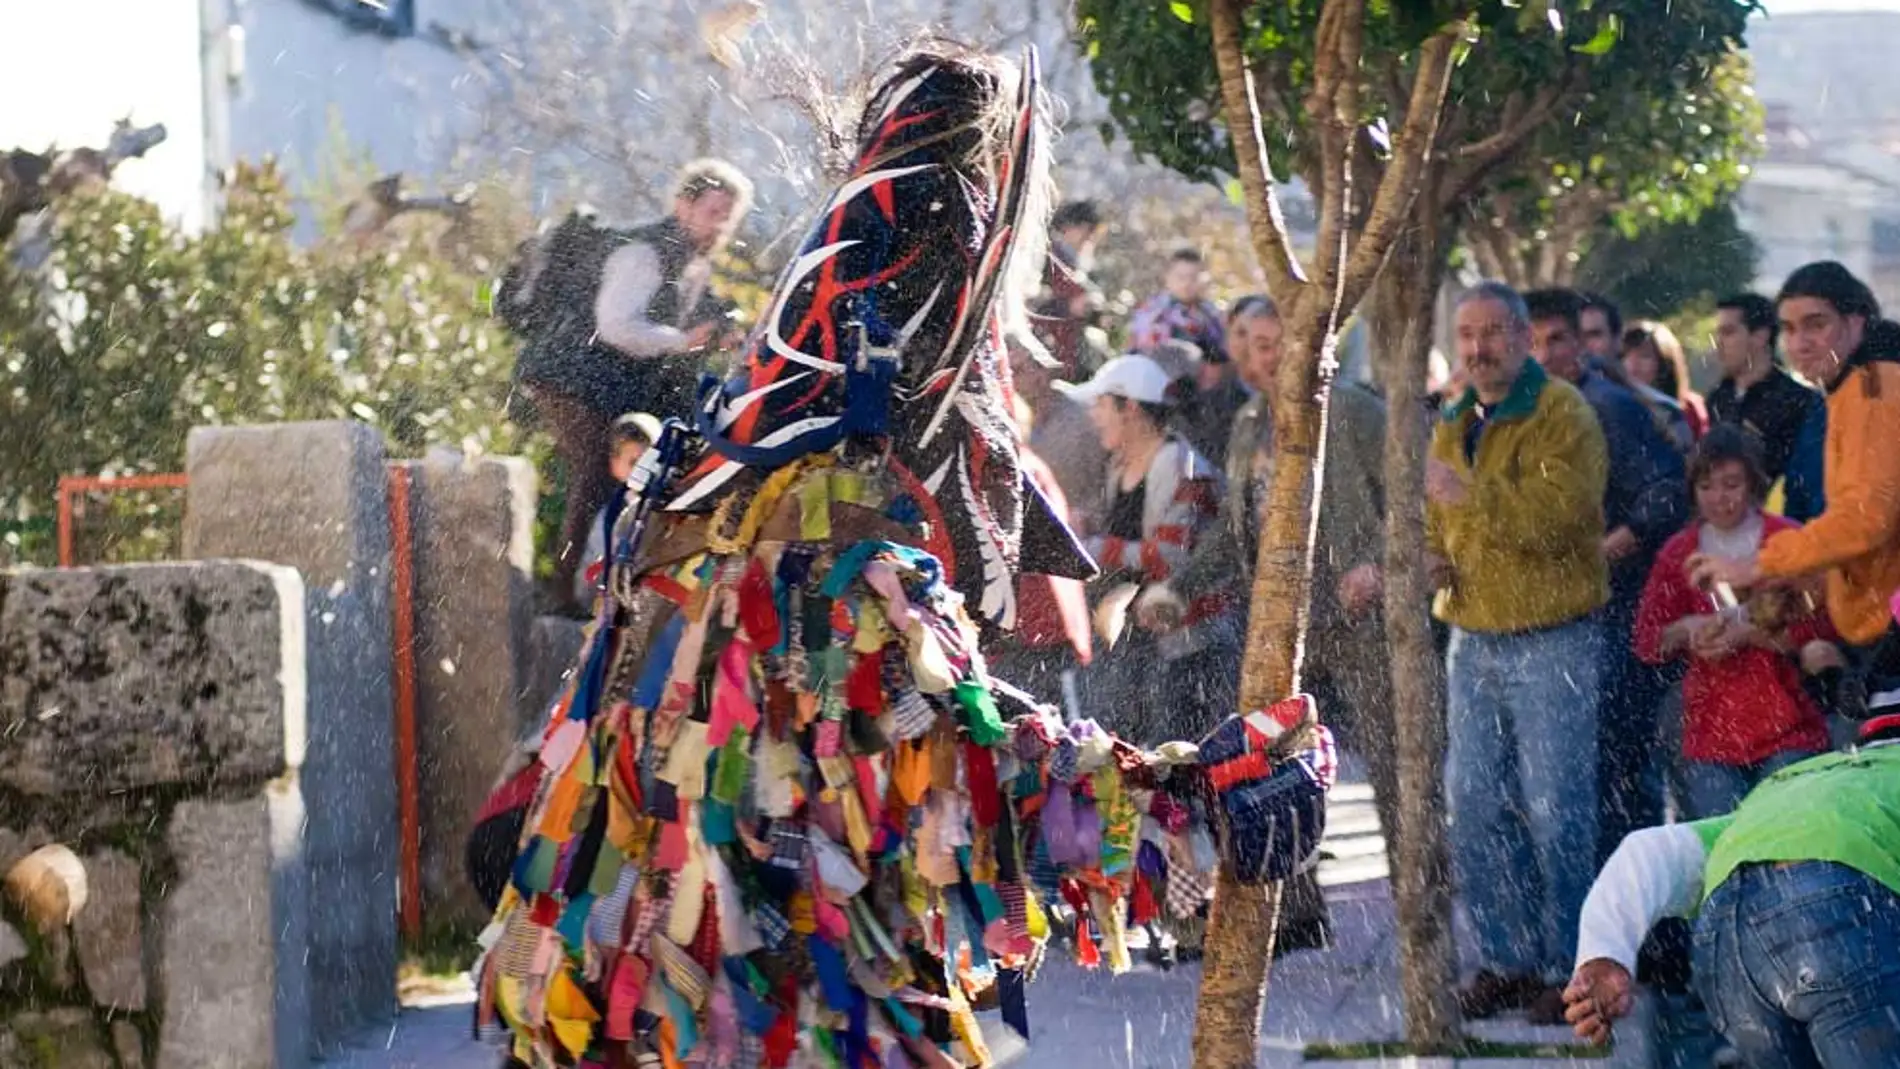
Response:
column 1400, row 316
column 1239, row 943
column 1238, row 947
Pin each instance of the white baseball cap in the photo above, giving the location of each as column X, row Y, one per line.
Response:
column 1136, row 378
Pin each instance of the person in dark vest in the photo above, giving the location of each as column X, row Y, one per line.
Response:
column 626, row 320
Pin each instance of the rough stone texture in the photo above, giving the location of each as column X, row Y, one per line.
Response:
column 218, row 967
column 110, row 933
column 54, row 962
column 473, row 531
column 63, row 1038
column 128, row 677
column 128, row 1044
column 60, row 1038
column 12, row 945
column 314, row 496
column 16, row 845
column 554, row 644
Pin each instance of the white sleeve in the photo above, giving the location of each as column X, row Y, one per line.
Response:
column 1655, row 873
column 627, row 283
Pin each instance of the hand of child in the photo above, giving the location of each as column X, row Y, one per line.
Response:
column 1598, row 995
column 1718, row 639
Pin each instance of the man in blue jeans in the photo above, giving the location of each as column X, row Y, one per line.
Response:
column 1645, row 503
column 1514, row 519
column 1796, row 896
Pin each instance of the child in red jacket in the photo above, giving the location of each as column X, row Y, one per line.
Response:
column 1745, row 711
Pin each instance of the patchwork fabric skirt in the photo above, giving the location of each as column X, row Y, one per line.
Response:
column 785, row 822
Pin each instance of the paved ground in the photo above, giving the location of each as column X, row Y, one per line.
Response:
column 1144, row 1020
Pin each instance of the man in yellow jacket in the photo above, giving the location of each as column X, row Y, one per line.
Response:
column 1833, row 334
column 1514, row 520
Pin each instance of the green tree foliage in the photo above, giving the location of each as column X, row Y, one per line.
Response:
column 1673, row 266
column 132, row 332
column 1525, row 63
column 1645, row 155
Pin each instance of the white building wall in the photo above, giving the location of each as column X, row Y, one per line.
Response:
column 70, row 69
column 1800, row 213
column 298, row 82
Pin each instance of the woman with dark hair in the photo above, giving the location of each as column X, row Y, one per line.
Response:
column 1653, row 358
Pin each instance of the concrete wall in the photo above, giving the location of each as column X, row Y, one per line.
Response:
column 313, row 496
column 473, row 524
column 152, row 720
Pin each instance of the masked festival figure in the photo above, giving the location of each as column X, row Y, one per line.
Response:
column 771, row 830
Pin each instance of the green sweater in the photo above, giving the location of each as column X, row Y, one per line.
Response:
column 1839, row 807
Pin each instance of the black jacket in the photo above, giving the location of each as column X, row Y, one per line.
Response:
column 1773, row 410
column 564, row 354
column 1648, row 485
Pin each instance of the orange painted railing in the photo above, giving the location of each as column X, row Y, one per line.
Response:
column 403, row 643
column 71, row 486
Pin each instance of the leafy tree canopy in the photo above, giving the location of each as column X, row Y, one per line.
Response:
column 1673, row 266
column 1637, row 161
column 1571, row 72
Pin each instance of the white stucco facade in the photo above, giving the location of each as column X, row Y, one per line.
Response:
column 69, row 70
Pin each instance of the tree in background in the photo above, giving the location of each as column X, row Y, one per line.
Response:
column 1665, row 269
column 133, row 332
column 1643, row 155
column 1522, row 71
column 1361, row 212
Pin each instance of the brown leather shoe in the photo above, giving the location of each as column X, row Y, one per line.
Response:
column 1547, row 1008
column 1491, row 993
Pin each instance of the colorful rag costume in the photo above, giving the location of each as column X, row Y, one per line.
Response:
column 785, row 821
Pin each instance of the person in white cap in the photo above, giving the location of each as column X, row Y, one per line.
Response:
column 1161, row 494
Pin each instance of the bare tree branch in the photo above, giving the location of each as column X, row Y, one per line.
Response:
column 1411, row 151
column 1239, row 97
column 1474, row 161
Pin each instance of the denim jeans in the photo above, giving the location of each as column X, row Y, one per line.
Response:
column 1520, row 786
column 1717, row 789
column 1798, row 968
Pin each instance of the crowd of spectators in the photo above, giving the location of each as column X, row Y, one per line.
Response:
column 1653, row 599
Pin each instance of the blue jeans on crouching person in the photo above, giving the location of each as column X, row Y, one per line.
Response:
column 1520, row 784
column 1797, row 966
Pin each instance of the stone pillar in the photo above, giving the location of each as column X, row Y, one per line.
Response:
column 220, row 991
column 554, row 644
column 157, row 713
column 314, row 496
column 473, row 533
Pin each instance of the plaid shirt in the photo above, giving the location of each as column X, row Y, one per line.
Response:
column 1163, row 318
column 773, row 925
